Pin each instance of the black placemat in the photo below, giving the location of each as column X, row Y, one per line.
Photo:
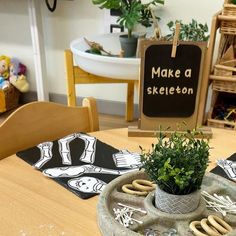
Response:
column 219, row 171
column 103, row 159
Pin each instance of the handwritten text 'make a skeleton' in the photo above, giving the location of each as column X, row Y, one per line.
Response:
column 169, row 73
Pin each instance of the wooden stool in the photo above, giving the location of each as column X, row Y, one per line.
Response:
column 75, row 75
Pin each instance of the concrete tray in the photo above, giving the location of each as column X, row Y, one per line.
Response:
column 155, row 219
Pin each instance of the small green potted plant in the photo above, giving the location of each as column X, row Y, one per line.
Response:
column 177, row 165
column 132, row 13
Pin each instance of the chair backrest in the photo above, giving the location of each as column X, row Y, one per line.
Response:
column 38, row 122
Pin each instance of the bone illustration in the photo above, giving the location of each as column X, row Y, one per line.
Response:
column 45, row 154
column 87, row 184
column 229, row 167
column 64, row 148
column 75, row 171
column 127, row 159
column 88, row 156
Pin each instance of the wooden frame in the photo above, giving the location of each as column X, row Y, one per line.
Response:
column 75, row 75
column 38, row 122
column 207, row 69
column 150, row 119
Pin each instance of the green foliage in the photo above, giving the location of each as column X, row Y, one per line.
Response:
column 94, row 51
column 177, row 164
column 193, row 31
column 133, row 12
column 108, row 4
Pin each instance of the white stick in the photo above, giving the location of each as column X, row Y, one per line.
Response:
column 134, row 209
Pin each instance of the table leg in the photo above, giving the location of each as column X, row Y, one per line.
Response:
column 130, row 101
column 70, row 78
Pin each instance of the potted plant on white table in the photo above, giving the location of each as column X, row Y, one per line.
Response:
column 132, row 13
column 177, row 165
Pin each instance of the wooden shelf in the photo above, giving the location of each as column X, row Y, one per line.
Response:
column 221, row 124
column 227, row 18
column 222, row 79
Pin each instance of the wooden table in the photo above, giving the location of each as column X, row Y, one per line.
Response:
column 32, row 205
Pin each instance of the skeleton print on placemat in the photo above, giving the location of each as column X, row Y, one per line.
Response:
column 64, row 148
column 127, row 159
column 88, row 155
column 229, row 167
column 46, row 154
column 75, row 171
column 80, row 159
column 226, row 168
column 87, row 184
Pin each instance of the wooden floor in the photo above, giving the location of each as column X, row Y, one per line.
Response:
column 113, row 122
column 105, row 121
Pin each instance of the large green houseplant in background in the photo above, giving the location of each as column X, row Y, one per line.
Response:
column 177, row 165
column 132, row 13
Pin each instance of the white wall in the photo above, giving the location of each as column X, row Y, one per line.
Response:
column 15, row 39
column 186, row 10
column 74, row 19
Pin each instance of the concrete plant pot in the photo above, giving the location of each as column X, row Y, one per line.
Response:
column 176, row 204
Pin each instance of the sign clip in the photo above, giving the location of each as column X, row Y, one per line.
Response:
column 175, row 40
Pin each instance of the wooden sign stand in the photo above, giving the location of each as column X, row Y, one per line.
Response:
column 170, row 87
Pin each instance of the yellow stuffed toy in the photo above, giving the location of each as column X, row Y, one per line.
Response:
column 4, row 72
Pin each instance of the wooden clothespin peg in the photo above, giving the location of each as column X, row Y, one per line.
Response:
column 175, row 39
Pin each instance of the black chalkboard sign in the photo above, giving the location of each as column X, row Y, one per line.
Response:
column 170, row 84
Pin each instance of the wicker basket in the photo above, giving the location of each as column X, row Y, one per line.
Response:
column 229, row 8
column 228, row 27
column 226, row 69
column 9, row 99
column 224, row 86
column 227, row 72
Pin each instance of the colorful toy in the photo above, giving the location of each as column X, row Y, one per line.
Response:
column 231, row 116
column 17, row 75
column 4, row 72
column 17, row 68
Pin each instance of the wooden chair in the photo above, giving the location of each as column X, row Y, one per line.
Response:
column 38, row 122
column 75, row 75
